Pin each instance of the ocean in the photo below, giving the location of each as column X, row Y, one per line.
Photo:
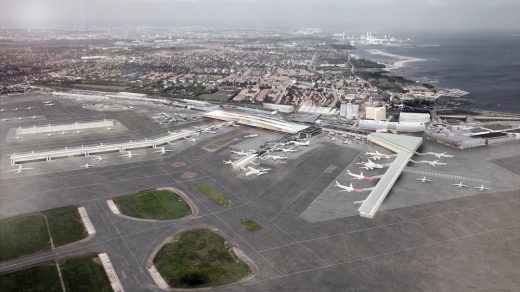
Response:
column 486, row 65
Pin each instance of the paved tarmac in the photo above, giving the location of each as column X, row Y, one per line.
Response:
column 450, row 243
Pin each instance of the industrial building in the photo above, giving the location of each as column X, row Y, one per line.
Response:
column 375, row 113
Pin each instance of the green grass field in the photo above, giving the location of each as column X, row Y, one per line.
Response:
column 199, row 258
column 221, row 96
column 23, row 235
column 250, row 225
column 79, row 274
column 155, row 204
column 26, row 234
column 100, row 87
column 65, row 225
column 213, row 194
column 84, row 274
column 42, row 278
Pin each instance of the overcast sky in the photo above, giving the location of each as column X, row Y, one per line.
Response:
column 382, row 15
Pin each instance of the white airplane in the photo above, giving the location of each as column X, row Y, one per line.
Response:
column 358, row 202
column 286, row 150
column 240, row 153
column 2, row 109
column 98, row 157
column 378, row 155
column 347, row 142
column 47, row 101
column 129, row 154
column 17, row 137
column 460, row 185
column 49, row 134
column 441, row 155
column 86, row 165
column 306, row 143
column 482, row 188
column 424, row 179
column 208, row 131
column 78, row 132
column 356, row 176
column 16, row 108
column 109, row 129
column 332, row 138
column 251, row 136
column 63, row 132
column 29, row 107
column 33, row 117
column 192, row 139
column 227, row 161
column 163, row 150
column 48, row 104
column 257, row 171
column 435, row 163
column 344, row 188
column 275, row 157
column 370, row 165
column 19, row 169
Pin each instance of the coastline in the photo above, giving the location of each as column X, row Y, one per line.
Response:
column 402, row 60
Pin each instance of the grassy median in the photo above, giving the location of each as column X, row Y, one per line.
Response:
column 199, row 258
column 79, row 274
column 29, row 233
column 213, row 194
column 155, row 204
column 250, row 225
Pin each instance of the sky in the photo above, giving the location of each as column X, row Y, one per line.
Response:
column 387, row 15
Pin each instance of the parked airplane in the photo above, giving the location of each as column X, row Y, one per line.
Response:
column 97, row 157
column 78, row 132
column 63, row 132
column 435, row 163
column 2, row 109
column 227, row 161
column 460, row 185
column 29, row 107
column 48, row 104
column 49, row 134
column 349, row 188
column 109, row 129
column 275, row 157
column 129, row 154
column 332, row 138
column 482, row 188
column 257, row 171
column 192, row 139
column 370, row 165
column 163, row 150
column 19, row 169
column 240, row 153
column 356, row 176
column 47, row 101
column 208, row 131
column 424, row 179
column 286, row 150
column 376, row 155
column 441, row 155
column 86, row 165
column 298, row 143
column 358, row 202
column 251, row 136
column 16, row 108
